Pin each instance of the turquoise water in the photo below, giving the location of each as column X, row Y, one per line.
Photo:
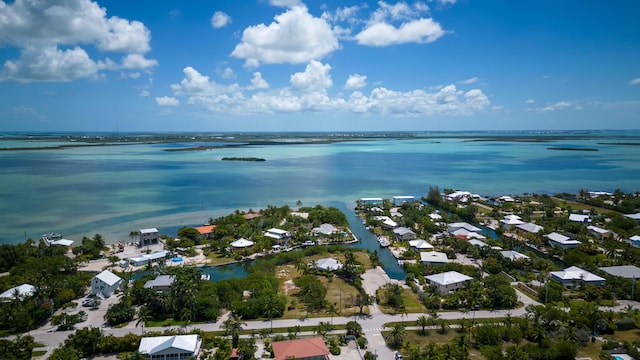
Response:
column 113, row 190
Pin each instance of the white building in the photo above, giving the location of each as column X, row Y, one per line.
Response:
column 149, row 258
column 448, row 281
column 561, row 241
column 465, row 234
column 635, row 241
column 399, row 200
column 510, row 221
column 21, row 291
column 277, row 234
column 514, row 255
column 148, row 236
column 177, row 347
column 530, row 228
column 420, row 244
column 451, row 228
column 433, row 258
column 404, row 234
column 574, row 276
column 105, row 284
column 241, row 243
column 371, row 201
column 161, row 283
column 325, row 229
column 580, row 218
column 328, row 264
column 598, row 232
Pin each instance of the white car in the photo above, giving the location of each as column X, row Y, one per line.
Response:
column 398, row 356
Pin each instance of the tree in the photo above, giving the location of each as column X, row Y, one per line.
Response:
column 143, row 314
column 323, row 328
column 134, row 234
column 434, row 197
column 423, row 322
column 113, row 259
column 397, row 334
column 233, row 326
column 354, row 328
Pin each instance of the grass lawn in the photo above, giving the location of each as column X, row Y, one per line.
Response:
column 592, row 350
column 215, row 258
column 432, row 336
column 411, row 302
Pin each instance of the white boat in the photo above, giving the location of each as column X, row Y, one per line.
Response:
column 206, row 277
column 383, row 242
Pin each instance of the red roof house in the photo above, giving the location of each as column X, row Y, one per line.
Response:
column 302, row 349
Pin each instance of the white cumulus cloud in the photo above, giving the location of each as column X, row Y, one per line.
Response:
column 294, row 37
column 635, row 81
column 468, row 81
column 315, row 77
column 530, row 101
column 257, row 82
column 355, row 81
column 220, row 19
column 285, row 3
column 51, row 38
column 167, row 101
column 415, row 31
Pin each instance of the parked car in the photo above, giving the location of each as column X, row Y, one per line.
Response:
column 398, row 355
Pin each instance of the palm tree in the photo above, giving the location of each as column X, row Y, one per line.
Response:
column 143, row 316
column 444, row 326
column 134, row 234
column 398, row 332
column 234, row 326
column 323, row 328
column 423, row 322
column 333, row 310
column 431, row 352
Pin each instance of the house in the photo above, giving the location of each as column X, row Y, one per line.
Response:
column 514, row 255
column 301, row 349
column 61, row 242
column 162, row 283
column 177, row 347
column 328, row 264
column 580, row 218
column 625, row 271
column 448, row 281
column 404, row 234
column 574, row 276
column 105, row 284
column 399, row 200
column 325, row 229
column 635, row 217
column 148, row 236
column 511, row 221
column 478, row 243
column 599, row 233
column 420, row 244
column 206, row 230
column 435, row 216
column 241, row 243
column 451, row 228
column 386, row 222
column 433, row 258
column 506, row 198
column 561, row 241
column 20, row 291
column 465, row 234
column 278, row 234
column 635, row 241
column 149, row 258
column 371, row 201
column 530, row 228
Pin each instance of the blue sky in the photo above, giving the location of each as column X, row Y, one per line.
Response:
column 287, row 65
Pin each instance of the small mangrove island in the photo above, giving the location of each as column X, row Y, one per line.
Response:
column 243, row 159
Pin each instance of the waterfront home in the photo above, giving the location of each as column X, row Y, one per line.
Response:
column 451, row 228
column 328, row 264
column 399, row 200
column 514, row 255
column 574, row 276
column 478, row 243
column 561, row 241
column 206, row 230
column 61, row 242
column 581, row 218
column 324, row 229
column 20, row 292
column 241, row 243
column 599, row 233
column 386, row 222
column 530, row 228
column 624, row 271
column 278, row 234
column 371, row 201
column 420, row 244
column 635, row 217
column 149, row 258
column 148, row 236
column 448, row 281
column 404, row 234
column 162, row 283
column 465, row 234
column 435, row 216
column 176, row 347
column 511, row 221
column 433, row 258
column 312, row 348
column 105, row 284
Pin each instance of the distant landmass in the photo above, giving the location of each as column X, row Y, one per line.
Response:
column 243, row 159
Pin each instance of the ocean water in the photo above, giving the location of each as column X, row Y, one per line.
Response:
column 113, row 190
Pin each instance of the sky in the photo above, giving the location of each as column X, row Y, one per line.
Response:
column 288, row 65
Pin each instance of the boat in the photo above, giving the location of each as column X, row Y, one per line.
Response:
column 383, row 242
column 206, row 277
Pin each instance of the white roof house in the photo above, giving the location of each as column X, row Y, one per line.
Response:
column 635, row 241
column 571, row 275
column 559, row 240
column 399, row 200
column 598, row 232
column 433, row 258
column 242, row 243
column 580, row 218
column 530, row 228
column 635, row 216
column 105, row 284
column 625, row 271
column 511, row 220
column 21, row 291
column 277, row 234
column 420, row 244
column 435, row 216
column 466, row 234
column 478, row 243
column 448, row 281
column 178, row 347
column 328, row 264
column 162, row 282
column 326, row 229
column 62, row 242
column 514, row 255
column 462, row 225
